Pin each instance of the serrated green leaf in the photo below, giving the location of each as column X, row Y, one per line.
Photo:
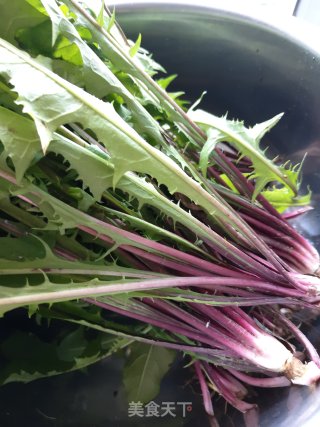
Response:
column 29, row 254
column 214, row 136
column 99, row 79
column 69, row 72
column 96, row 175
column 20, row 140
column 45, row 135
column 27, row 357
column 282, row 198
column 247, row 142
column 65, row 102
column 61, row 216
column 144, row 371
column 121, row 58
column 154, row 230
column 94, row 169
column 176, row 95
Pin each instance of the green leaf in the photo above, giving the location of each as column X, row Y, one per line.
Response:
column 122, row 59
column 72, row 346
column 62, row 216
column 64, row 103
column 164, row 82
column 100, row 17
column 144, row 371
column 129, row 151
column 16, row 15
column 95, row 173
column 27, row 357
column 20, row 140
column 70, row 52
column 229, row 182
column 8, row 98
column 176, row 95
column 282, row 198
column 154, row 230
column 134, row 49
column 29, row 254
column 112, row 20
column 24, row 248
column 247, row 142
column 214, row 136
column 99, row 79
column 36, row 40
column 69, row 72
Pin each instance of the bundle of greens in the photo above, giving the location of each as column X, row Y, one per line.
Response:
column 125, row 213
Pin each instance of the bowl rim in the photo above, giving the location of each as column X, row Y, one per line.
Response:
column 296, row 30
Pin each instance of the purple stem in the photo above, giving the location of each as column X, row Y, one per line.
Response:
column 261, row 382
column 206, row 396
column 266, row 322
column 223, row 246
column 312, row 352
column 208, row 352
column 232, row 384
column 221, row 339
column 131, row 260
column 262, row 215
column 297, row 212
column 301, row 250
column 237, row 178
column 176, row 312
column 212, row 173
column 231, row 328
column 255, row 286
column 153, row 266
column 215, row 376
column 269, row 230
column 163, row 323
column 241, row 317
column 165, row 250
column 173, row 265
column 299, row 261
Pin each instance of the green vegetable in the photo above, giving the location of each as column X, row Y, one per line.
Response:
column 144, row 370
column 117, row 203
